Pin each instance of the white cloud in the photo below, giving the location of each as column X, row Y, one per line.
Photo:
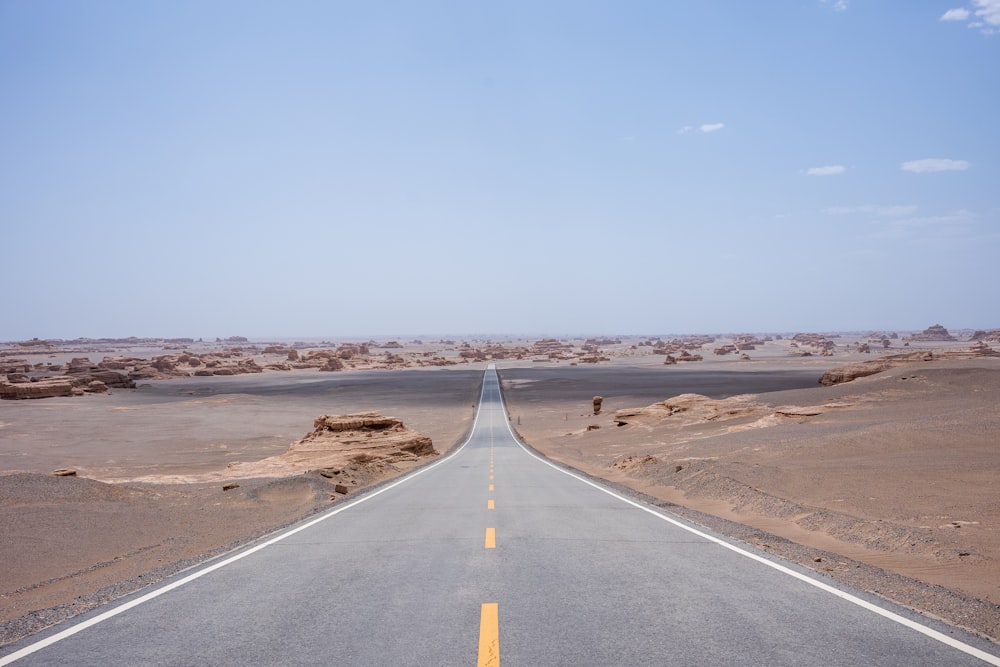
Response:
column 704, row 128
column 931, row 165
column 874, row 210
column 960, row 14
column 829, row 170
column 986, row 13
column 836, row 5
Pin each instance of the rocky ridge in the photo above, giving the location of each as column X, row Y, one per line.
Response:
column 865, row 368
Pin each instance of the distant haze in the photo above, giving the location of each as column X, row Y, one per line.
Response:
column 345, row 169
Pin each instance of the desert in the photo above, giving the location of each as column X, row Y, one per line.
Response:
column 869, row 457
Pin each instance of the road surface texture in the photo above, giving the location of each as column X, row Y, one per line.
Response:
column 491, row 555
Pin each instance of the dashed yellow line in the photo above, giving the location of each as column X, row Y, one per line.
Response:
column 491, row 538
column 491, row 487
column 489, row 504
column 489, row 635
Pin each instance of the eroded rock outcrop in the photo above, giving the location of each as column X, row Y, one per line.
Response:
column 692, row 408
column 865, row 368
column 817, row 342
column 43, row 388
column 991, row 336
column 935, row 332
column 340, row 441
column 854, row 371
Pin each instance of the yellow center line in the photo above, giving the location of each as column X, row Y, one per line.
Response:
column 489, row 504
column 491, row 538
column 489, row 635
column 491, row 487
column 491, row 476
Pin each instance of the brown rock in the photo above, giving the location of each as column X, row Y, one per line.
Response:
column 332, row 364
column 96, row 387
column 854, row 371
column 230, row 486
column 366, row 421
column 64, row 472
column 935, row 332
column 163, row 364
column 341, row 489
column 43, row 388
column 82, row 377
column 598, row 400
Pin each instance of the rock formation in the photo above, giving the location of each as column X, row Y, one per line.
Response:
column 81, row 378
column 865, row 368
column 854, row 371
column 992, row 336
column 83, row 372
column 42, row 388
column 339, row 444
column 932, row 333
column 819, row 343
column 690, row 409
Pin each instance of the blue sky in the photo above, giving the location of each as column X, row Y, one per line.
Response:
column 337, row 169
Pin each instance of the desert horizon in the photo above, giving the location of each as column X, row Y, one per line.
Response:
column 819, row 448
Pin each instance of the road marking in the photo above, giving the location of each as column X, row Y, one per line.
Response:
column 892, row 616
column 489, row 635
column 491, row 476
column 491, row 538
column 489, row 504
column 491, row 487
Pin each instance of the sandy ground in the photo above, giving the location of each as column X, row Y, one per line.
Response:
column 896, row 472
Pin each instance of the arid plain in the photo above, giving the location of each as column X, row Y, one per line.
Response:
column 887, row 480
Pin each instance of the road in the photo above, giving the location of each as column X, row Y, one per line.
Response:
column 494, row 554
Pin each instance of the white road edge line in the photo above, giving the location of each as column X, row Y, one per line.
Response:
column 902, row 620
column 111, row 613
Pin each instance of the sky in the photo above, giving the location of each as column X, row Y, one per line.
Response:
column 365, row 168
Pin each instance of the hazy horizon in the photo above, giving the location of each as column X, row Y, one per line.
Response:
column 265, row 169
column 434, row 337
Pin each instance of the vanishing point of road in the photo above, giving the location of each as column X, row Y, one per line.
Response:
column 492, row 554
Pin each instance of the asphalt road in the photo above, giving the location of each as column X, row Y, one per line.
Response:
column 490, row 555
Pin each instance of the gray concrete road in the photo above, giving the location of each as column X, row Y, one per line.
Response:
column 491, row 555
